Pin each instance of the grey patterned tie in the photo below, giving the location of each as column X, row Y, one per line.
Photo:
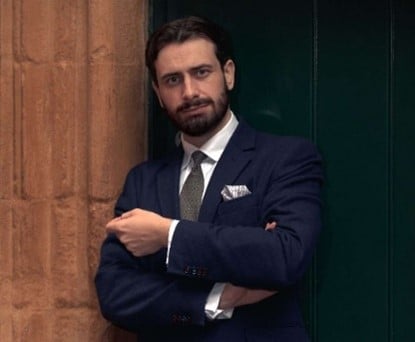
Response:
column 192, row 191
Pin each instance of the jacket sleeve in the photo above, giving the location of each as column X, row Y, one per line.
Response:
column 246, row 254
column 137, row 292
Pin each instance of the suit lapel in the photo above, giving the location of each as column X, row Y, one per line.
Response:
column 168, row 186
column 235, row 158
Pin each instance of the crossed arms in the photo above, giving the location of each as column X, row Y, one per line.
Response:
column 144, row 232
column 136, row 288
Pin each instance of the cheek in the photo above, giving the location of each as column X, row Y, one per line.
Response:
column 169, row 100
column 218, row 90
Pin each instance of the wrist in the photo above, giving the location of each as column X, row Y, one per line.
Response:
column 164, row 231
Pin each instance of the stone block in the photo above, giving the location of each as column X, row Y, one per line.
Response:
column 70, row 25
column 116, row 128
column 6, row 29
column 7, row 142
column 32, row 327
column 128, row 32
column 54, row 131
column 31, row 293
column 5, row 294
column 101, row 32
column 103, row 125
column 6, row 325
column 68, row 130
column 17, row 130
column 81, row 324
column 69, row 255
column 36, row 41
column 131, row 124
column 6, row 242
column 31, row 239
column 31, row 250
column 99, row 215
column 37, row 127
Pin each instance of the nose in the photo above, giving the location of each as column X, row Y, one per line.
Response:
column 189, row 88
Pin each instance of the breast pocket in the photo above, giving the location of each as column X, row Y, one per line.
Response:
column 240, row 211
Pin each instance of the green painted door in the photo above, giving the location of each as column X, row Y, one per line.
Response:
column 343, row 74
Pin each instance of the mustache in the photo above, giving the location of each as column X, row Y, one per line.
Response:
column 193, row 103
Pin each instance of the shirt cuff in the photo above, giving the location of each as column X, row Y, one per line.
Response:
column 172, row 229
column 211, row 308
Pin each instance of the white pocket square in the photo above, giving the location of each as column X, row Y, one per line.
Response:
column 231, row 192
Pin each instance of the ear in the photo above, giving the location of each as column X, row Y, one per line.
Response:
column 229, row 73
column 157, row 91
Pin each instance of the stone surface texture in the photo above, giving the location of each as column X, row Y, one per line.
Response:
column 72, row 123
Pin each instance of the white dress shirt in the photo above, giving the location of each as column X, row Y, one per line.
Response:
column 213, row 149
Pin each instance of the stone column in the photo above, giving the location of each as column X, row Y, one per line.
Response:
column 72, row 122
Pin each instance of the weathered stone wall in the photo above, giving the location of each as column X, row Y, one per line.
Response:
column 72, row 122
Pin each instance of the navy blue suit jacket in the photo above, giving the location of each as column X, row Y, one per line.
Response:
column 227, row 244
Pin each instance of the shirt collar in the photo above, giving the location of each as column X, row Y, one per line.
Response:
column 215, row 146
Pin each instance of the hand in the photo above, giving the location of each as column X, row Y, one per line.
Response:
column 234, row 296
column 142, row 232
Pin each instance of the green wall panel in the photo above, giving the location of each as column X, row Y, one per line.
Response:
column 352, row 134
column 402, row 252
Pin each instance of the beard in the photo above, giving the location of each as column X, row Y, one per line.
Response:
column 210, row 116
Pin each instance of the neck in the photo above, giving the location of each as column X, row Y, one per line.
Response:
column 200, row 140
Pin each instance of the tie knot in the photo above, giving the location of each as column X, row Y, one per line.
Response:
column 198, row 157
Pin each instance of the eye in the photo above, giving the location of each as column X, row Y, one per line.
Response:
column 202, row 72
column 172, row 80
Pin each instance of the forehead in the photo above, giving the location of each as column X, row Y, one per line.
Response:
column 177, row 57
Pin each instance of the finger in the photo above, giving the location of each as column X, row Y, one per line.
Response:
column 270, row 225
column 114, row 220
column 126, row 214
column 110, row 230
column 112, row 227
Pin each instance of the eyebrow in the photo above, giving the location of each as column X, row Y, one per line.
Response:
column 166, row 76
column 201, row 66
column 192, row 69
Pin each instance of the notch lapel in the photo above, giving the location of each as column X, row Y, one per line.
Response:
column 233, row 161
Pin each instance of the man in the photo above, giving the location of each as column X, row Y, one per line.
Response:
column 210, row 248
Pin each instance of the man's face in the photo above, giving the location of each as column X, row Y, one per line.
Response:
column 192, row 86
